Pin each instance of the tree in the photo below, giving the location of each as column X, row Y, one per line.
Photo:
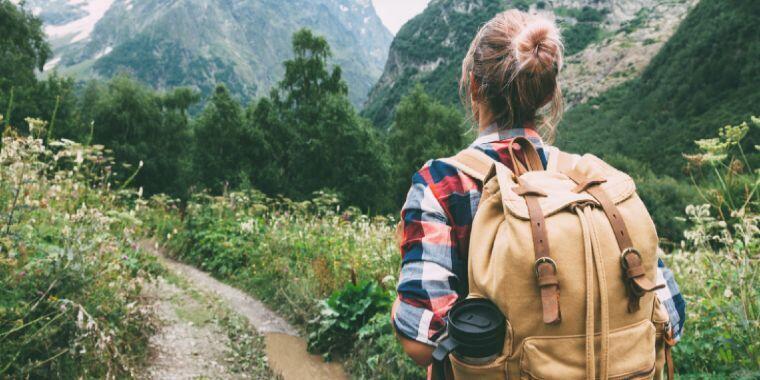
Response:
column 23, row 52
column 23, row 48
column 423, row 129
column 314, row 134
column 220, row 142
column 140, row 125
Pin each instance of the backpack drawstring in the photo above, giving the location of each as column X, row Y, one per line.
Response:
column 593, row 260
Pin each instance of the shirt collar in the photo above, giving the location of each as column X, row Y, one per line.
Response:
column 493, row 133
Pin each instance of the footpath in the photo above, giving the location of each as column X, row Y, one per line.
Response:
column 211, row 330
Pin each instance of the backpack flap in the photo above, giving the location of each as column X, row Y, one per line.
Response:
column 562, row 191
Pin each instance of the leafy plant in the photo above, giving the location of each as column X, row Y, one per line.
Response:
column 719, row 259
column 70, row 268
column 343, row 314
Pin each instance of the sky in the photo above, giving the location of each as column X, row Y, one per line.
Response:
column 395, row 13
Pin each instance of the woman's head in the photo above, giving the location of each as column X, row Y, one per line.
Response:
column 511, row 69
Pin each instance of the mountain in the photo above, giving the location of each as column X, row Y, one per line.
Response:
column 607, row 42
column 198, row 43
column 706, row 76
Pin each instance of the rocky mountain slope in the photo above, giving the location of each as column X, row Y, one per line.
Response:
column 198, row 43
column 607, row 42
column 707, row 75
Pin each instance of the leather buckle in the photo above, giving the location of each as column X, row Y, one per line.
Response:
column 625, row 253
column 542, row 260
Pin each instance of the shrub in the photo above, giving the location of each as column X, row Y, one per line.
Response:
column 343, row 314
column 719, row 260
column 70, row 269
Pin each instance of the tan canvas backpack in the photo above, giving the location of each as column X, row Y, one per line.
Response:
column 569, row 256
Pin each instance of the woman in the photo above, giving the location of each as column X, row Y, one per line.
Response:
column 509, row 79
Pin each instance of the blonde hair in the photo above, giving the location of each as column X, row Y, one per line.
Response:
column 515, row 60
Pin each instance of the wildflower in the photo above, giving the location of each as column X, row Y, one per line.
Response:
column 247, row 226
column 734, row 134
column 36, row 126
column 728, row 293
column 714, row 149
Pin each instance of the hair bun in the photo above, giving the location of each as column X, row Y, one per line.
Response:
column 538, row 47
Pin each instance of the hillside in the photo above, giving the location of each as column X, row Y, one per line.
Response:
column 606, row 41
column 707, row 75
column 201, row 42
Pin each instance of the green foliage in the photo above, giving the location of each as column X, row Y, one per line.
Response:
column 221, row 139
column 423, row 129
column 718, row 261
column 378, row 355
column 584, row 30
column 638, row 21
column 342, row 315
column 705, row 75
column 23, row 47
column 23, row 51
column 142, row 127
column 70, row 270
column 312, row 131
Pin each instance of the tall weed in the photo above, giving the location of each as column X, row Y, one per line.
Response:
column 70, row 272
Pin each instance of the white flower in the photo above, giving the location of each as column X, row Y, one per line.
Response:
column 728, row 293
column 247, row 226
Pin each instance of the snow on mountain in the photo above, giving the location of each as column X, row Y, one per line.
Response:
column 81, row 28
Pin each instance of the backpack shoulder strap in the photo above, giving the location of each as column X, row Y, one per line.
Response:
column 560, row 161
column 474, row 163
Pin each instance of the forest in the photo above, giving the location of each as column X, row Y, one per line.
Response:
column 293, row 197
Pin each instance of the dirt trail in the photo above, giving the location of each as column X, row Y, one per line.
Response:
column 188, row 345
column 285, row 350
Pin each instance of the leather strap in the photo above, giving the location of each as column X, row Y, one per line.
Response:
column 637, row 283
column 669, row 341
column 532, row 159
column 545, row 267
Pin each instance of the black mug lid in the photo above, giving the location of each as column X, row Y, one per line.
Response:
column 475, row 318
column 478, row 327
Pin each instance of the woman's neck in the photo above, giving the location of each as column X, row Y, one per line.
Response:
column 485, row 118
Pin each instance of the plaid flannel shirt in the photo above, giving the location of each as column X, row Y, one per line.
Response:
column 436, row 222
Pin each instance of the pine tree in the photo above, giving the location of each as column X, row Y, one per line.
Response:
column 312, row 132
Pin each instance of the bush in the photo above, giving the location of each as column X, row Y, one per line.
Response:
column 720, row 260
column 343, row 314
column 70, row 269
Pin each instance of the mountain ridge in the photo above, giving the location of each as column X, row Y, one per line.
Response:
column 607, row 42
column 241, row 44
